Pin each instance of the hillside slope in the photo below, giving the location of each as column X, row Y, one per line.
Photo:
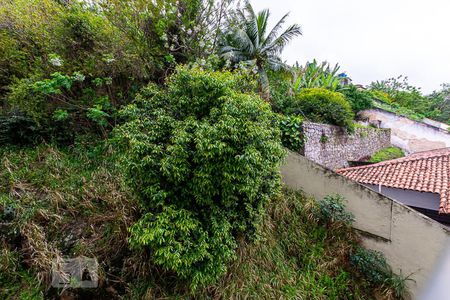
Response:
column 72, row 202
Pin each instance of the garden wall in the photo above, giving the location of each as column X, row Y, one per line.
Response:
column 409, row 135
column 332, row 147
column 412, row 243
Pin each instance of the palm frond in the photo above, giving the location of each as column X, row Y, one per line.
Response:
column 249, row 9
column 280, row 42
column 262, row 22
column 244, row 41
column 273, row 33
column 276, row 64
column 252, row 30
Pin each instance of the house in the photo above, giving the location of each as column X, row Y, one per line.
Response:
column 344, row 79
column 420, row 180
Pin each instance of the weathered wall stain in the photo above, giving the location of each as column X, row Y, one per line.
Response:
column 409, row 135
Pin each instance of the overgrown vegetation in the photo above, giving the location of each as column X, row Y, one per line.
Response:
column 387, row 154
column 323, row 106
column 400, row 97
column 136, row 132
column 203, row 158
column 58, row 203
column 70, row 202
column 359, row 99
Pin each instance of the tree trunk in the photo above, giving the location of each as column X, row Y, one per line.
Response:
column 264, row 87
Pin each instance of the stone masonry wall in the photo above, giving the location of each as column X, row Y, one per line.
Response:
column 332, row 147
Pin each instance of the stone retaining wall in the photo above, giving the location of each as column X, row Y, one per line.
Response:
column 332, row 147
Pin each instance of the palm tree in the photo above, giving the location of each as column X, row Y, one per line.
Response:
column 250, row 44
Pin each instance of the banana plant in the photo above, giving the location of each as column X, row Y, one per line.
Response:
column 315, row 74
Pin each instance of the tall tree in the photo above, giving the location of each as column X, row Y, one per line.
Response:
column 250, row 43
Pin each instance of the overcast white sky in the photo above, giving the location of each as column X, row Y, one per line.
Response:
column 371, row 40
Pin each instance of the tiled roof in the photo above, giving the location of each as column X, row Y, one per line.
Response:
column 427, row 171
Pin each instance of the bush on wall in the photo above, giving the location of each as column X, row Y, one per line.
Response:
column 323, row 106
column 358, row 99
column 291, row 132
column 203, row 157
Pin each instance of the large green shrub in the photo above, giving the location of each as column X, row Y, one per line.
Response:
column 203, row 157
column 358, row 99
column 321, row 105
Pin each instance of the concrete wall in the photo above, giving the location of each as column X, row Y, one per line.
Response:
column 411, row 242
column 436, row 124
column 333, row 147
column 409, row 135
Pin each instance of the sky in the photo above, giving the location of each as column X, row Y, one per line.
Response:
column 371, row 40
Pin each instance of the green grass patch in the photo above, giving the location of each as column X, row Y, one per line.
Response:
column 399, row 110
column 387, row 154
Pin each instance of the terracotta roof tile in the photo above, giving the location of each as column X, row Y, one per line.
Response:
column 427, row 171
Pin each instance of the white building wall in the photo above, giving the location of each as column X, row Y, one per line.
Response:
column 410, row 198
column 409, row 135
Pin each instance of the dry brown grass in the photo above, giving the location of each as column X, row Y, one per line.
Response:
column 66, row 205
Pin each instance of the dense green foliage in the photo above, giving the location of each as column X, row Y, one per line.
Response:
column 387, row 154
column 70, row 52
column 359, row 99
column 400, row 97
column 323, row 106
column 71, row 63
column 372, row 264
column 331, row 209
column 291, row 132
column 250, row 43
column 203, row 158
